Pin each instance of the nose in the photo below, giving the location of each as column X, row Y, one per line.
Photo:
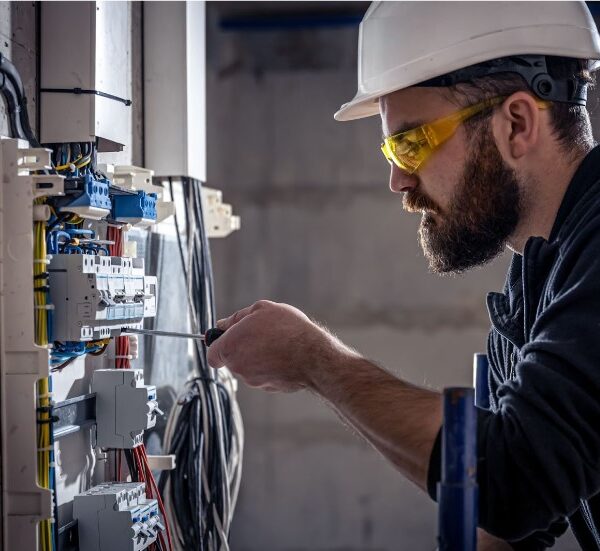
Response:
column 401, row 181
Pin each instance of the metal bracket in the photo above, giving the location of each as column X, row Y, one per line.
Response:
column 73, row 415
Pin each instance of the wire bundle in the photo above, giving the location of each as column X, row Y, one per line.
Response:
column 45, row 463
column 204, row 429
column 42, row 308
column 122, row 343
column 42, row 325
column 139, row 469
column 75, row 158
column 115, row 234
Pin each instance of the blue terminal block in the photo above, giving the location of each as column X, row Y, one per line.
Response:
column 94, row 193
column 134, row 208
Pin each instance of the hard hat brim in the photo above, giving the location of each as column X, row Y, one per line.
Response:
column 362, row 106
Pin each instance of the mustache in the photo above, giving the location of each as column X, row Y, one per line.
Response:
column 415, row 201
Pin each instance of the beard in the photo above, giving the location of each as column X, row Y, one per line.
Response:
column 482, row 214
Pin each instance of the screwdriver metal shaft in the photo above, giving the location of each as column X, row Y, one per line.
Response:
column 211, row 335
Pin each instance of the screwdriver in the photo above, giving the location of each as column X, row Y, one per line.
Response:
column 209, row 337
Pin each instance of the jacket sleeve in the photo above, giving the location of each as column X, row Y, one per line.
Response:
column 538, row 453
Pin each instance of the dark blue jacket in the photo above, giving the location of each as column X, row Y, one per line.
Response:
column 539, row 446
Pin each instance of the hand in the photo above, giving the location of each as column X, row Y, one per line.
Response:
column 273, row 346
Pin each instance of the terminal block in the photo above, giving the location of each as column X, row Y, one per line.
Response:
column 138, row 209
column 117, row 516
column 125, row 407
column 136, row 178
column 87, row 196
column 95, row 296
column 219, row 218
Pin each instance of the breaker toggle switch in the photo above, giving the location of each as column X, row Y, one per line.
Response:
column 153, row 408
column 117, row 516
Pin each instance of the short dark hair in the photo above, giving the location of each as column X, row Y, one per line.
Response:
column 570, row 122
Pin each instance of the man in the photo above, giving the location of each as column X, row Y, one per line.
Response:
column 487, row 134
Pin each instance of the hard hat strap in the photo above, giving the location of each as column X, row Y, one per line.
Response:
column 533, row 68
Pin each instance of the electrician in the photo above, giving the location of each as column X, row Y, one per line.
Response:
column 483, row 109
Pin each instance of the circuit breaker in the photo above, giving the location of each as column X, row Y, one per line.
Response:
column 125, row 407
column 95, row 296
column 117, row 516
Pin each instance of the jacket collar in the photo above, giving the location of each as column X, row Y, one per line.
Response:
column 511, row 311
column 585, row 176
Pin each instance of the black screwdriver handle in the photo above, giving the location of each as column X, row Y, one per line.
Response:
column 212, row 335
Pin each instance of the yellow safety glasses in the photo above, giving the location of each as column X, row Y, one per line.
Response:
column 409, row 150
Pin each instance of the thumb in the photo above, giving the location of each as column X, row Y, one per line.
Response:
column 215, row 354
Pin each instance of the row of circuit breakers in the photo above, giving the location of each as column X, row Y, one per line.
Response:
column 95, row 296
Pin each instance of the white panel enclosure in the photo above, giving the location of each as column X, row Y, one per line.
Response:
column 85, row 45
column 175, row 88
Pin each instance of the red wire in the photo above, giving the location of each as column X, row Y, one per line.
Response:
column 141, row 473
column 126, row 344
column 158, row 498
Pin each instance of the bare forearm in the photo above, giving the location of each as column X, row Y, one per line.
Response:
column 276, row 347
column 397, row 418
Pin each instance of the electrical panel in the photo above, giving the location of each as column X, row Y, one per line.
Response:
column 125, row 407
column 79, row 256
column 117, row 517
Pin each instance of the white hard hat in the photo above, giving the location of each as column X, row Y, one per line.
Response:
column 402, row 44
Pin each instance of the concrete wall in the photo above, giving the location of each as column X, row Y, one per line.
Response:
column 320, row 230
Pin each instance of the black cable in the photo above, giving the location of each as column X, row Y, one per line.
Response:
column 131, row 465
column 10, row 71
column 205, row 415
column 12, row 104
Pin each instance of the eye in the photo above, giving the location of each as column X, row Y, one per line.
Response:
column 409, row 148
column 404, row 147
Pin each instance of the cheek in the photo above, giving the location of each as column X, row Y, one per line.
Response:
column 443, row 173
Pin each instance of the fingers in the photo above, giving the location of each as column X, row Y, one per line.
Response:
column 238, row 316
column 217, row 351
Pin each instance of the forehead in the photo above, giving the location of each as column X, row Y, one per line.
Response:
column 410, row 108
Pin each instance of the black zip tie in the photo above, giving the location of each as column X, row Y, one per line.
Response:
column 43, row 275
column 52, row 419
column 79, row 91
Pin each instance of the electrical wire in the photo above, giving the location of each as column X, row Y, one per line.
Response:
column 204, row 429
column 40, row 282
column 139, row 470
column 44, row 456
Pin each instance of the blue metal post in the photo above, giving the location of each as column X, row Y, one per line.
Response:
column 457, row 491
column 481, row 380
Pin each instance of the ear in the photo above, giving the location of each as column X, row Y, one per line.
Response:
column 516, row 127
